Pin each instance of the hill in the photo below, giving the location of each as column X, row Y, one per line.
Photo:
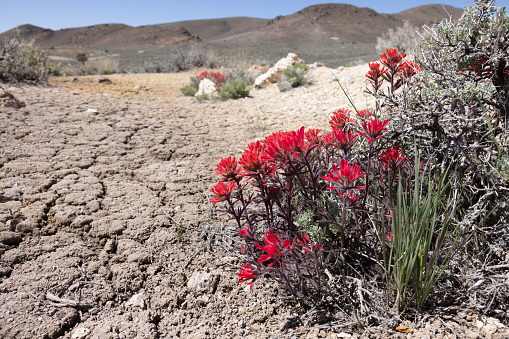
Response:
column 317, row 25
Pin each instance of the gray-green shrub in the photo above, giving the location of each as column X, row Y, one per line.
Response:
column 234, row 89
column 22, row 61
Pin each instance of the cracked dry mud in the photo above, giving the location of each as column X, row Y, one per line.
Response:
column 110, row 234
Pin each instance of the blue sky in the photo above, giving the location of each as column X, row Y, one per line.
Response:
column 58, row 14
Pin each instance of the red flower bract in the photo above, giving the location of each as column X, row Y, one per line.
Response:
column 344, row 176
column 273, row 247
column 222, row 191
column 345, row 140
column 227, row 168
column 391, row 59
column 408, row 69
column 393, row 157
column 375, row 74
column 374, row 129
column 314, row 249
column 340, row 118
column 252, row 161
column 247, row 273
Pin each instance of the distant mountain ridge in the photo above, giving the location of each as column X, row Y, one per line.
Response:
column 312, row 26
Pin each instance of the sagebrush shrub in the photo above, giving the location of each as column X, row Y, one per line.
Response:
column 234, row 89
column 22, row 61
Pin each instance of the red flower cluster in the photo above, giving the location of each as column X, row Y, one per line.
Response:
column 341, row 118
column 343, row 177
column 373, row 129
column 216, row 77
column 222, row 191
column 394, row 70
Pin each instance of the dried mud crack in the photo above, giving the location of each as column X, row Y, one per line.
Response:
column 111, row 234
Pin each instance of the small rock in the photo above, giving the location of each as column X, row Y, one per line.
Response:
column 10, row 238
column 90, row 110
column 199, row 281
column 343, row 335
column 72, row 79
column 136, row 301
column 80, row 333
column 102, row 80
column 12, row 194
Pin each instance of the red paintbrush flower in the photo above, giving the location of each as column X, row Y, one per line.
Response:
column 364, row 114
column 408, row 69
column 222, row 191
column 375, row 74
column 391, row 59
column 274, row 248
column 393, row 158
column 374, row 129
column 251, row 161
column 227, row 168
column 344, row 140
column 340, row 118
column 309, row 247
column 247, row 273
column 343, row 177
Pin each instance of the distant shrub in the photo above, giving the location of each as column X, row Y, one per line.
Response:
column 240, row 74
column 404, row 38
column 54, row 69
column 99, row 66
column 185, row 58
column 234, row 89
column 22, row 61
column 192, row 88
column 81, row 57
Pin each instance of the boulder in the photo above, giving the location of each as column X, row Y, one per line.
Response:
column 207, row 87
column 275, row 73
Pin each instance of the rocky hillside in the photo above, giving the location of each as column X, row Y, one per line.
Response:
column 314, row 26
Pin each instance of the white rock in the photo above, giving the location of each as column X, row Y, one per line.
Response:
column 136, row 301
column 207, row 87
column 80, row 333
column 199, row 281
column 90, row 110
column 275, row 73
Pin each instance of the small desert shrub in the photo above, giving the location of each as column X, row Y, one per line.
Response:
column 99, row 66
column 240, row 74
column 293, row 77
column 81, row 57
column 192, row 88
column 150, row 67
column 22, row 61
column 183, row 58
column 55, row 69
column 404, row 38
column 234, row 89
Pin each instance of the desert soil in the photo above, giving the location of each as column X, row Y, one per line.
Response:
column 110, row 233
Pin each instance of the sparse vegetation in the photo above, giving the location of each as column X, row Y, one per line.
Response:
column 81, row 57
column 293, row 76
column 192, row 88
column 22, row 61
column 404, row 38
column 183, row 58
column 234, row 89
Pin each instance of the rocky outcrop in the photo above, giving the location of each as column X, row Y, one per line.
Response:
column 275, row 73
